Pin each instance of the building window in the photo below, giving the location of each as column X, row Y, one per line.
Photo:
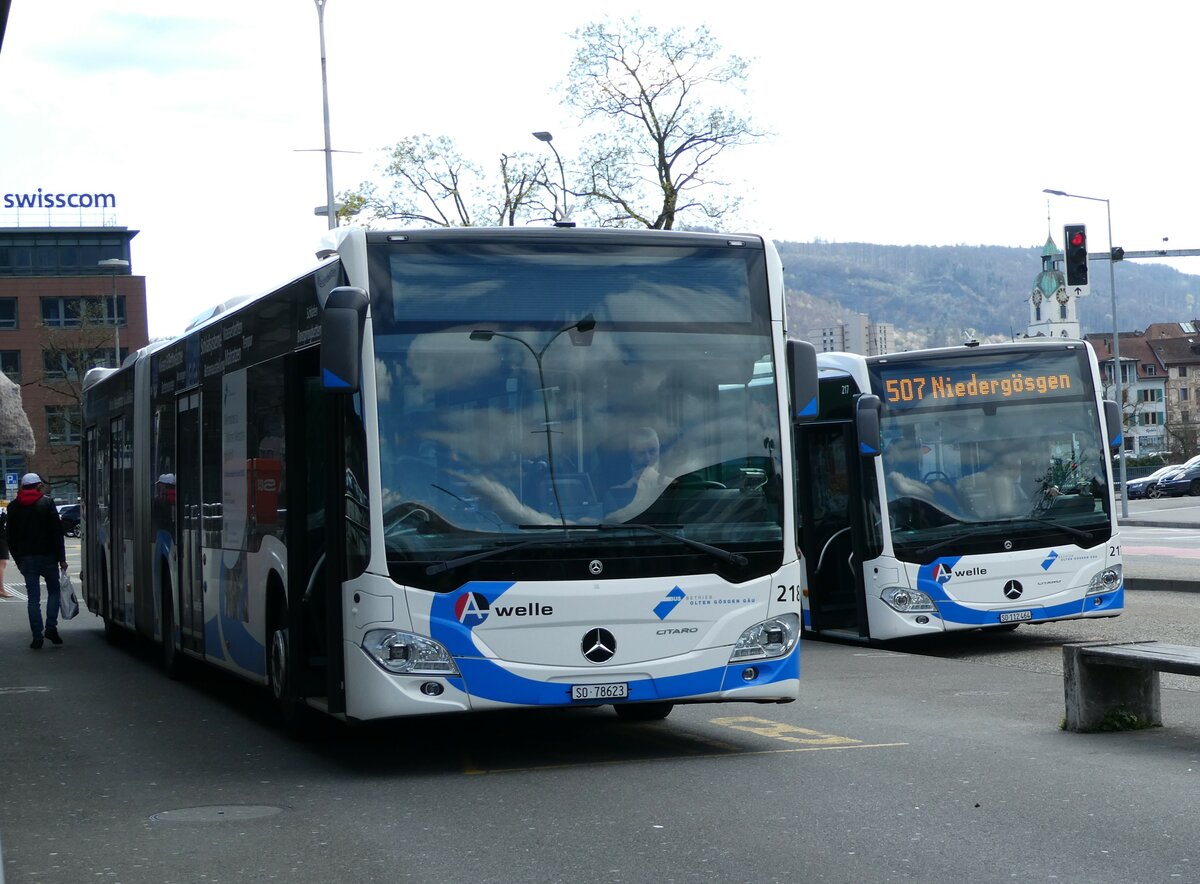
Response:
column 72, row 364
column 63, row 424
column 8, row 312
column 1183, row 371
column 76, row 312
column 1148, row 418
column 1062, row 311
column 1151, row 370
column 1183, row 394
column 10, row 364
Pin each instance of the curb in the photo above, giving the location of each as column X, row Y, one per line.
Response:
column 1161, row 584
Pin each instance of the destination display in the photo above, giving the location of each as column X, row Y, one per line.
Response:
column 931, row 384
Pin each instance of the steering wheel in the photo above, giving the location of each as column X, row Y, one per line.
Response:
column 936, row 474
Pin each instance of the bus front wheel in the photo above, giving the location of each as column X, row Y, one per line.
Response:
column 289, row 707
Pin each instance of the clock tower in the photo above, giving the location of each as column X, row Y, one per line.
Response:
column 1051, row 306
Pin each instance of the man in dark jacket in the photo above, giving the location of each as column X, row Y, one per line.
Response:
column 35, row 539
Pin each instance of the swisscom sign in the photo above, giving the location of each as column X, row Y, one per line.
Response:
column 43, row 200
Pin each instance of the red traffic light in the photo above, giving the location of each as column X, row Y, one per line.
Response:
column 1076, row 268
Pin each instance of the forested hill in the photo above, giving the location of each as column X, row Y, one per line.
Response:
column 932, row 293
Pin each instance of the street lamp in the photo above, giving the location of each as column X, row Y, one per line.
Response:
column 115, row 265
column 1116, row 347
column 330, row 208
column 549, row 139
column 583, row 326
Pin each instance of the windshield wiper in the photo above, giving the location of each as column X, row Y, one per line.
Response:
column 1070, row 529
column 722, row 555
column 924, row 551
column 442, row 567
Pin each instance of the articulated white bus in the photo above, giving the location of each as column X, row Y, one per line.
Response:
column 453, row 470
column 959, row 488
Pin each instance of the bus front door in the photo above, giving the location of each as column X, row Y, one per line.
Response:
column 832, row 509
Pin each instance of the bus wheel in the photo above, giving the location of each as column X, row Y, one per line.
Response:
column 289, row 707
column 643, row 711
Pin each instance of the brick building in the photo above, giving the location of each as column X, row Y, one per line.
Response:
column 63, row 310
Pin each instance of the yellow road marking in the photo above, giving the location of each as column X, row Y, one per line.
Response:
column 788, row 733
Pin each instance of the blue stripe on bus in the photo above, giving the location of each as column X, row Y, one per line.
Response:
column 487, row 679
column 952, row 612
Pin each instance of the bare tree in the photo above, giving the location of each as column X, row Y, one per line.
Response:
column 658, row 94
column 68, row 352
column 432, row 184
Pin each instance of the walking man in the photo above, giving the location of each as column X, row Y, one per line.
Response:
column 35, row 539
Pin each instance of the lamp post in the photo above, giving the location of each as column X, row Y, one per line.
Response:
column 330, row 208
column 1116, row 347
column 549, row 139
column 114, row 265
column 584, row 325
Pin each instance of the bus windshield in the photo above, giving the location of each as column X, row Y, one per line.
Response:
column 1005, row 450
column 529, row 393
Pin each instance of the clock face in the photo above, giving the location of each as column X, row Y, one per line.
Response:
column 1037, row 297
column 1062, row 296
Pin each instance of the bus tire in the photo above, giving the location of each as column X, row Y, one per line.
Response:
column 288, row 706
column 643, row 711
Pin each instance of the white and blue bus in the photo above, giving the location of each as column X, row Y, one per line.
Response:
column 959, row 488
column 406, row 482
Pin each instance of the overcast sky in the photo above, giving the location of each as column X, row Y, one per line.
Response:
column 904, row 123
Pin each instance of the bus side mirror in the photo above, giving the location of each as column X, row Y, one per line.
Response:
column 1112, row 417
column 342, row 322
column 802, row 378
column 866, row 417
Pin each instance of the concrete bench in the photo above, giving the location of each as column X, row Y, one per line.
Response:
column 1104, row 680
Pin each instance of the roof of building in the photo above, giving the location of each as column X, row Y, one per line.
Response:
column 1176, row 351
column 1134, row 348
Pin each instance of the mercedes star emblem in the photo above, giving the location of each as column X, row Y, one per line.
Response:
column 595, row 566
column 1013, row 589
column 598, row 645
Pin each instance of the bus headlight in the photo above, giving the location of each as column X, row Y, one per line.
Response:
column 908, row 601
column 771, row 638
column 406, row 653
column 1106, row 580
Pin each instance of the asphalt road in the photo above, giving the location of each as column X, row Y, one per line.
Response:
column 891, row 767
column 932, row 765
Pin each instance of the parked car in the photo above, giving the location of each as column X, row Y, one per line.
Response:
column 1147, row 486
column 1181, row 482
column 69, row 514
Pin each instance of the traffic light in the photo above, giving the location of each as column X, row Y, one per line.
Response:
column 1076, row 253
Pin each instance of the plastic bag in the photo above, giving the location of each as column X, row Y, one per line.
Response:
column 68, row 602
